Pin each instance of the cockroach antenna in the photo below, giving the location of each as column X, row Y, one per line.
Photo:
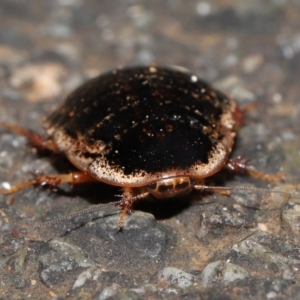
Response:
column 87, row 210
column 246, row 189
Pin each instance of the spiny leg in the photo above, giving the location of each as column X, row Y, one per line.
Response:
column 51, row 181
column 240, row 165
column 33, row 138
column 126, row 204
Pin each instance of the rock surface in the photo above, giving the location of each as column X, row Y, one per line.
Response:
column 249, row 240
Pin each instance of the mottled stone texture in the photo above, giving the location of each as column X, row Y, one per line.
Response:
column 213, row 247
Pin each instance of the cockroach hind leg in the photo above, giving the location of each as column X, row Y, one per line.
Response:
column 240, row 112
column 265, row 176
column 33, row 138
column 243, row 166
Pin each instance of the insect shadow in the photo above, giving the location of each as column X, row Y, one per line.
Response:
column 97, row 192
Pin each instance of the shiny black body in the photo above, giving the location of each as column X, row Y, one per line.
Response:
column 150, row 119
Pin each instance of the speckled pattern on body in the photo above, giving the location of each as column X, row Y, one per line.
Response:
column 134, row 126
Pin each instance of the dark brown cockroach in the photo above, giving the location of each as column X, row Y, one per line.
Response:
column 148, row 130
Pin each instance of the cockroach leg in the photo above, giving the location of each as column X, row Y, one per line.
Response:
column 240, row 165
column 126, row 204
column 239, row 113
column 33, row 138
column 50, row 181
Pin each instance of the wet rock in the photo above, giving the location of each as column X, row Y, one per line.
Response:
column 291, row 218
column 39, row 82
column 127, row 295
column 21, row 283
column 176, row 277
column 236, row 87
column 266, row 252
column 106, row 282
column 86, row 275
column 263, row 199
column 246, row 198
column 252, row 63
column 278, row 200
column 108, row 278
column 218, row 220
column 75, row 39
column 245, row 9
column 147, row 288
column 60, row 257
column 108, row 292
column 222, row 272
column 13, row 252
column 141, row 240
column 253, row 288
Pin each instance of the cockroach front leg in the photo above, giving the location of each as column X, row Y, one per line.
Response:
column 51, row 181
column 126, row 203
